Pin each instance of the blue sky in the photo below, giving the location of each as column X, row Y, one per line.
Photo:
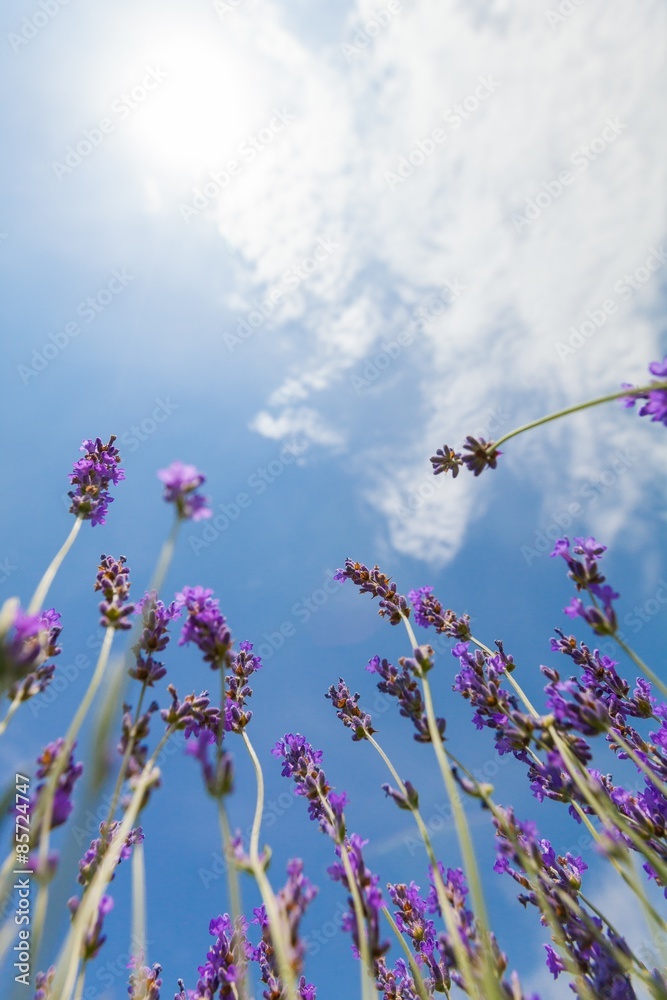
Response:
column 301, row 246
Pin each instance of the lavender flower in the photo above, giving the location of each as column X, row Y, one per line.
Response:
column 372, row 581
column 218, row 776
column 656, row 405
column 412, row 920
column 293, row 900
column 349, row 712
column 193, row 714
column 219, row 974
column 26, row 643
column 44, row 982
column 181, row 483
column 62, row 799
column 153, row 639
column 302, row 763
column 94, row 938
column 482, row 455
column 429, row 612
column 205, row 625
column 395, row 984
column 371, row 898
column 94, row 856
column 586, row 575
column 592, row 951
column 112, row 580
column 132, row 734
column 446, row 460
column 91, row 477
column 403, row 685
column 242, row 666
column 145, row 983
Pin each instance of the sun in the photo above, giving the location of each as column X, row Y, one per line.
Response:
column 206, row 100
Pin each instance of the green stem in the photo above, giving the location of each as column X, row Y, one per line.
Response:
column 574, row 409
column 447, row 910
column 640, row 663
column 44, row 811
column 138, row 939
column 38, row 598
column 18, row 698
column 126, row 758
column 165, row 557
column 276, row 924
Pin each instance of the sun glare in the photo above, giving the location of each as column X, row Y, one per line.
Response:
column 205, row 102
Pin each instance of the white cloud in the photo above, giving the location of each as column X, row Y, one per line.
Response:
column 516, row 100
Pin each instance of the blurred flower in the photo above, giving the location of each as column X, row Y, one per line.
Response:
column 94, row 938
column 656, row 405
column 62, row 798
column 181, row 483
column 26, row 643
column 153, row 639
column 366, row 883
column 145, row 983
column 205, row 625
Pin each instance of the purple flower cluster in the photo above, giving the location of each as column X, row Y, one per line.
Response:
column 396, row 983
column 430, row 613
column 194, row 714
column 145, row 983
column 153, row 639
column 62, row 799
column 44, row 982
column 655, row 406
column 181, row 483
column 205, row 625
column 26, row 643
column 366, row 883
column 348, row 711
column 91, row 477
column 591, row 949
column 302, row 762
column 372, row 581
column 481, row 455
column 412, row 920
column 113, row 581
column 242, row 666
column 132, row 735
column 403, row 685
column 218, row 774
column 94, row 856
column 586, row 575
column 94, row 938
column 220, row 972
column 293, row 901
